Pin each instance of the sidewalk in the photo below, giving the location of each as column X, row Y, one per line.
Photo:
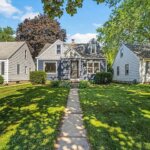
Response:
column 73, row 134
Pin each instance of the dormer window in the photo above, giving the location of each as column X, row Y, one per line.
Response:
column 58, row 49
column 93, row 48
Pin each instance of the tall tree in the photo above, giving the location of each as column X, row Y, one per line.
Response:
column 55, row 8
column 6, row 34
column 128, row 23
column 39, row 31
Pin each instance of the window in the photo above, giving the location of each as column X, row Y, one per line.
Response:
column 58, row 49
column 50, row 67
column 118, row 71
column 148, row 67
column 25, row 69
column 18, row 68
column 93, row 48
column 96, row 67
column 126, row 69
column 93, row 67
column 2, row 68
column 121, row 52
column 25, row 54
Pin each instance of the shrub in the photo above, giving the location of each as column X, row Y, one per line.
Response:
column 55, row 83
column 84, row 84
column 1, row 80
column 65, row 84
column 38, row 77
column 103, row 78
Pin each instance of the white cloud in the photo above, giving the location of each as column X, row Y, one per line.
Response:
column 82, row 38
column 7, row 9
column 29, row 15
column 97, row 25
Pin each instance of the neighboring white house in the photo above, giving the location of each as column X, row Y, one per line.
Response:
column 132, row 64
column 15, row 61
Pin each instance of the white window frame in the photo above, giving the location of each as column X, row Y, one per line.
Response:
column 93, row 68
column 49, row 62
column 60, row 49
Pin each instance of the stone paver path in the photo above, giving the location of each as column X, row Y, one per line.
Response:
column 73, row 134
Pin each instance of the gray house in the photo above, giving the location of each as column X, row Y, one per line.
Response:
column 132, row 63
column 71, row 61
column 15, row 61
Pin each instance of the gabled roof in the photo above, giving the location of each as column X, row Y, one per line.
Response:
column 47, row 45
column 142, row 51
column 7, row 49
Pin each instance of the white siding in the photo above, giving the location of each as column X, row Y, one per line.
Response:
column 19, row 58
column 5, row 76
column 51, row 53
column 128, row 58
column 144, row 77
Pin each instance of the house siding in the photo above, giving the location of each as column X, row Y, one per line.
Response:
column 143, row 76
column 19, row 58
column 134, row 64
column 64, row 62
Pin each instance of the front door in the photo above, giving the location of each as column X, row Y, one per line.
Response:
column 74, row 69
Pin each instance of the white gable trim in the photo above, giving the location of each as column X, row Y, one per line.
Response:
column 72, row 50
column 55, row 43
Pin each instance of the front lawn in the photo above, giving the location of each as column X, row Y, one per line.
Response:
column 30, row 116
column 117, row 116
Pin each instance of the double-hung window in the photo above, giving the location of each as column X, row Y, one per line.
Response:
column 58, row 49
column 126, row 69
column 118, row 71
column 2, row 68
column 50, row 67
column 148, row 67
column 93, row 67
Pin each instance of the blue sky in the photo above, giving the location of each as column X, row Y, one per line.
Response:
column 82, row 26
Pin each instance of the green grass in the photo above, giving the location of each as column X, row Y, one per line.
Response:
column 117, row 116
column 30, row 116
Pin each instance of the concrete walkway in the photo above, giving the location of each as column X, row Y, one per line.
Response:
column 73, row 134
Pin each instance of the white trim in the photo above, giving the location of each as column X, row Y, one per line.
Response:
column 50, row 61
column 92, row 66
column 71, row 49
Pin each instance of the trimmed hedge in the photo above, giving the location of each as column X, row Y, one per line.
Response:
column 1, row 80
column 103, row 78
column 38, row 77
column 84, row 84
column 55, row 83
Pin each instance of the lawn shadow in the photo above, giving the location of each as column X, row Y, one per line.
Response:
column 30, row 118
column 117, row 116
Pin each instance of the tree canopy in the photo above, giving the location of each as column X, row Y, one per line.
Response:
column 56, row 8
column 39, row 31
column 6, row 34
column 128, row 23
